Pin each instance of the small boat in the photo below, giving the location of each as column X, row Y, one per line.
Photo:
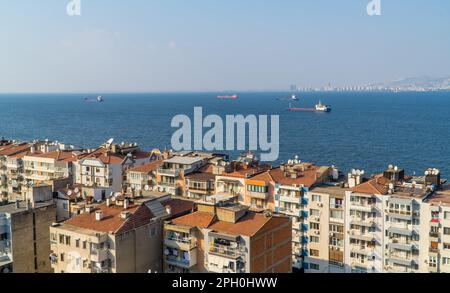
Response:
column 294, row 98
column 232, row 97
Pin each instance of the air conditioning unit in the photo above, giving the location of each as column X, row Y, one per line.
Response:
column 317, row 219
column 320, row 204
column 317, row 232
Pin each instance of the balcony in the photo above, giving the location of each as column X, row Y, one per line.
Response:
column 397, row 260
column 370, row 222
column 258, row 195
column 408, row 247
column 226, row 251
column 435, row 223
column 169, row 172
column 99, row 255
column 357, row 234
column 433, row 269
column 363, row 250
column 185, row 244
column 290, row 199
column 362, row 207
column 179, row 261
column 434, row 236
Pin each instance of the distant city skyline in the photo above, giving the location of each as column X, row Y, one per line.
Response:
column 175, row 46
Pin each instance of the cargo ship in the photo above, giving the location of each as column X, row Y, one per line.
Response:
column 99, row 99
column 232, row 97
column 318, row 108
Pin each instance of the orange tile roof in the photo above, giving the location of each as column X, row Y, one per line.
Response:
column 264, row 176
column 12, row 150
column 179, row 207
column 112, row 222
column 62, row 156
column 378, row 185
column 248, row 225
column 306, row 178
column 197, row 219
column 147, row 168
column 105, row 156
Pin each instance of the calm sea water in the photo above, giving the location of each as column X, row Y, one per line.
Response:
column 365, row 130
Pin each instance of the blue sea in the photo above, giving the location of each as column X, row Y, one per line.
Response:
column 365, row 130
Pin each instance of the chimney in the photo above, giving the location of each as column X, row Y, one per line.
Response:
column 169, row 210
column 124, row 215
column 98, row 215
column 108, row 202
column 125, row 204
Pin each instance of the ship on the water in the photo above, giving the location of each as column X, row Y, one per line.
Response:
column 99, row 99
column 232, row 97
column 318, row 108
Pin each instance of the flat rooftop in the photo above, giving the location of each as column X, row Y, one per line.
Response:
column 12, row 209
column 331, row 190
column 183, row 160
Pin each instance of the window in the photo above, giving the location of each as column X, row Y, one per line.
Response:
column 77, row 243
column 447, row 215
column 446, row 261
column 260, row 189
column 61, row 256
column 314, row 226
column 447, row 231
column 335, row 214
column 61, row 239
column 315, row 213
column 65, row 206
column 314, row 239
column 316, row 198
column 314, row 266
column 67, row 240
column 314, row 252
column 446, row 246
column 84, row 244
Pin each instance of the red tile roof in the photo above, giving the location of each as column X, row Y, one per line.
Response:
column 378, row 185
column 112, row 222
column 179, row 207
column 62, row 156
column 307, row 178
column 197, row 219
column 147, row 168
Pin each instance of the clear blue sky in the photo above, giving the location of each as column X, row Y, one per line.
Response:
column 196, row 45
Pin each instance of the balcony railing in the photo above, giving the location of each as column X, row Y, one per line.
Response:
column 169, row 172
column 226, row 251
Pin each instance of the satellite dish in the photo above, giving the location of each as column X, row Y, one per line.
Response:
column 147, row 188
column 76, row 190
column 110, row 141
column 166, row 252
column 69, row 193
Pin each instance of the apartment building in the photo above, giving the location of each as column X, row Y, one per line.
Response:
column 49, row 167
column 326, row 244
column 171, row 175
column 225, row 237
column 364, row 224
column 437, row 218
column 391, row 226
column 142, row 178
column 24, row 236
column 103, row 170
column 202, row 182
column 11, row 169
column 233, row 180
column 122, row 235
column 292, row 183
